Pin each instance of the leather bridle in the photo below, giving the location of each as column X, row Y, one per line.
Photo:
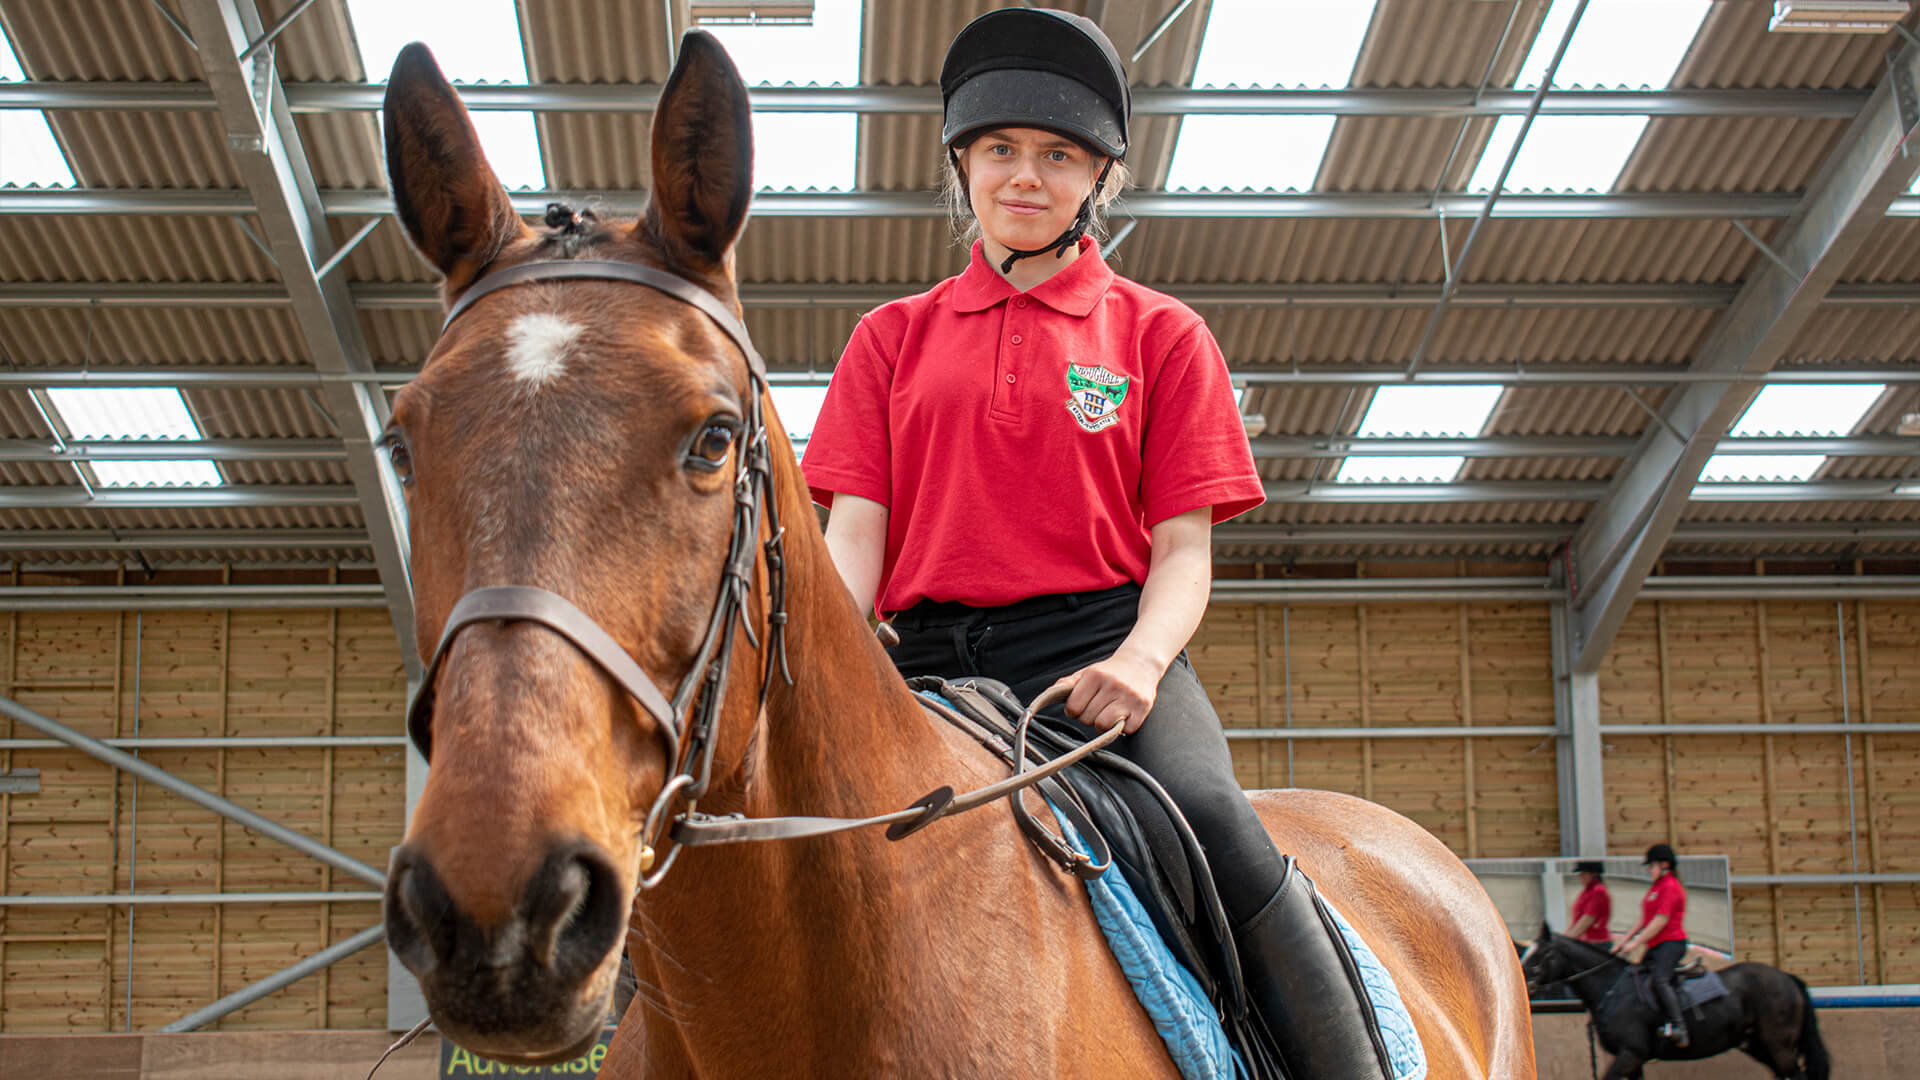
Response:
column 689, row 751
column 703, row 689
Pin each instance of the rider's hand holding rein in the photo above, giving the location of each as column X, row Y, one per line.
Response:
column 1121, row 688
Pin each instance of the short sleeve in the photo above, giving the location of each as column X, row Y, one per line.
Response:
column 1669, row 902
column 1195, row 450
column 850, row 448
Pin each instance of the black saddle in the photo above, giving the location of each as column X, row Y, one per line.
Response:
column 1696, row 988
column 1124, row 815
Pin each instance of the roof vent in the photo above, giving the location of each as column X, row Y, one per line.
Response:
column 1837, row 16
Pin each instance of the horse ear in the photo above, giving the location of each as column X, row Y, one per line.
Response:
column 1546, row 930
column 702, row 155
column 447, row 196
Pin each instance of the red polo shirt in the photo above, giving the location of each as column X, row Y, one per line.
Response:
column 1025, row 443
column 1594, row 900
column 1666, row 897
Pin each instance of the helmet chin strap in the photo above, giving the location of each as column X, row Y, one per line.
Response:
column 1068, row 239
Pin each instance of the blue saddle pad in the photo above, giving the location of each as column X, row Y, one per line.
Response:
column 1180, row 1009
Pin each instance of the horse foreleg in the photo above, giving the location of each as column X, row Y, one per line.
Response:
column 1626, row 1066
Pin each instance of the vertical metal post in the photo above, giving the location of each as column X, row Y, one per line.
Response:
column 133, row 825
column 1853, row 820
column 1577, row 747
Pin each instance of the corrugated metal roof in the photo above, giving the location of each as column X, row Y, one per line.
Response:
column 1411, row 43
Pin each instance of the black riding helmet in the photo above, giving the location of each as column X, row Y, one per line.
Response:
column 1661, row 853
column 1038, row 68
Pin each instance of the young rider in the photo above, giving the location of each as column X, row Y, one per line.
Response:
column 1663, row 929
column 1024, row 465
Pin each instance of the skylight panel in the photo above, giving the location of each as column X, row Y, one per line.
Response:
column 1433, row 412
column 1418, row 412
column 1619, row 43
column 1760, row 468
column 801, row 150
column 1265, row 43
column 91, row 414
column 1818, row 409
column 1397, row 469
column 29, row 154
column 1229, row 153
column 1807, row 409
column 473, row 41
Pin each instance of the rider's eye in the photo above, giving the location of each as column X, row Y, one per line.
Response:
column 710, row 447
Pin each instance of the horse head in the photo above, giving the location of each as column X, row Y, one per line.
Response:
column 1544, row 962
column 582, row 437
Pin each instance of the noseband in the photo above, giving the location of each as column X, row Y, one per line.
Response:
column 689, row 750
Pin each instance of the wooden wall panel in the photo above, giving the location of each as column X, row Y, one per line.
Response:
column 196, row 674
column 1777, row 803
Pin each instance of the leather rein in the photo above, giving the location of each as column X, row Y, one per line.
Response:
column 702, row 690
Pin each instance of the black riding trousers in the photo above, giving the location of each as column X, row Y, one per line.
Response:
column 1030, row 644
column 1661, row 959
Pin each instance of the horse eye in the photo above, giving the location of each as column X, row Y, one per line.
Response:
column 712, row 445
column 400, row 457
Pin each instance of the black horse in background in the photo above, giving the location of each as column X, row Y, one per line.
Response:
column 1766, row 1012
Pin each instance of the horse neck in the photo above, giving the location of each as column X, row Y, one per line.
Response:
column 1590, row 986
column 844, row 739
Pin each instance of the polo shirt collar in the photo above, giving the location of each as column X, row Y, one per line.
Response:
column 1073, row 291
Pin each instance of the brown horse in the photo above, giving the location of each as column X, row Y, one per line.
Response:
column 584, row 437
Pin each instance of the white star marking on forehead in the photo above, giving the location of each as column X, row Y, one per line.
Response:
column 537, row 347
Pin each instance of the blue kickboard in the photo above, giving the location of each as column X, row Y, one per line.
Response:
column 1180, row 1009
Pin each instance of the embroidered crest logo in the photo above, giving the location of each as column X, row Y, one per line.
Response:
column 1094, row 395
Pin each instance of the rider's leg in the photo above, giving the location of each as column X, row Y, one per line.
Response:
column 1661, row 960
column 1297, row 979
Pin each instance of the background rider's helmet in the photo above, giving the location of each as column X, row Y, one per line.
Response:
column 1661, row 853
column 1036, row 68
column 1589, row 866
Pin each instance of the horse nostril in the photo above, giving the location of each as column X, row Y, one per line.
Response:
column 419, row 913
column 575, row 910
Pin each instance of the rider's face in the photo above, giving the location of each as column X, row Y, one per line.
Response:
column 1026, row 185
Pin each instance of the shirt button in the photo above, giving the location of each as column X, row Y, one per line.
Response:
column 1021, row 302
column 1016, row 339
column 1010, row 377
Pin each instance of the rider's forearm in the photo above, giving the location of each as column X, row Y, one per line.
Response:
column 857, row 540
column 1174, row 597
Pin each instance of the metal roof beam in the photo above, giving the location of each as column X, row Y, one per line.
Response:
column 75, row 497
column 327, row 97
column 1398, row 206
column 173, row 450
column 266, row 147
column 387, row 296
column 177, row 539
column 1703, row 532
column 229, row 496
column 1319, row 491
column 1617, row 546
column 1342, row 446
column 284, row 377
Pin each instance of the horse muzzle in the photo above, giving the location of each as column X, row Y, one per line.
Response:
column 530, row 988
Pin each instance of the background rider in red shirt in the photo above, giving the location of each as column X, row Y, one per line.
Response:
column 1593, row 908
column 1663, row 929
